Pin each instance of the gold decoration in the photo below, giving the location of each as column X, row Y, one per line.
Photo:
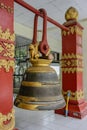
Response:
column 77, row 95
column 1, row 48
column 40, row 62
column 72, row 70
column 27, row 99
column 7, row 49
column 8, row 8
column 71, row 14
column 71, row 63
column 33, row 84
column 28, row 84
column 6, row 35
column 35, row 58
column 35, row 54
column 72, row 30
column 22, row 102
column 7, row 64
column 71, row 55
column 44, row 68
column 9, row 117
column 33, row 50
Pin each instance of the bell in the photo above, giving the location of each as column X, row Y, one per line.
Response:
column 39, row 88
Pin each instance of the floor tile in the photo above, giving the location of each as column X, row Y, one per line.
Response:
column 46, row 120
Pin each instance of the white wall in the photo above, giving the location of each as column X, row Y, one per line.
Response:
column 23, row 30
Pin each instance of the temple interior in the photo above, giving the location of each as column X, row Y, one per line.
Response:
column 43, row 65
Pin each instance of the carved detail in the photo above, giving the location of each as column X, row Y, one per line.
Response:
column 7, row 49
column 7, row 64
column 33, row 50
column 77, row 95
column 72, row 30
column 6, row 34
column 7, row 8
column 71, row 63
column 71, row 14
column 71, row 55
column 9, row 117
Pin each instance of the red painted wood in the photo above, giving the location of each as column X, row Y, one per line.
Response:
column 6, row 19
column 72, row 43
column 43, row 46
column 6, row 78
column 6, row 91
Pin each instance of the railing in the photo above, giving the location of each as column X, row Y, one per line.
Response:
column 31, row 8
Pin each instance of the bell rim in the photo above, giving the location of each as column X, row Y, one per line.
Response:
column 50, row 106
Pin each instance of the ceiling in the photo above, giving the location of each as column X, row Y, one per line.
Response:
column 55, row 10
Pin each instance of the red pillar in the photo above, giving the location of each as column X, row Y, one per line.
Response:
column 72, row 66
column 7, row 120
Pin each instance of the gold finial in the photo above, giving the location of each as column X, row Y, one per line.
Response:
column 71, row 14
column 33, row 50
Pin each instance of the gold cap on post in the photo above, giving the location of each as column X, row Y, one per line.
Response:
column 71, row 14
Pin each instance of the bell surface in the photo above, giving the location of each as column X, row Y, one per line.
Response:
column 39, row 88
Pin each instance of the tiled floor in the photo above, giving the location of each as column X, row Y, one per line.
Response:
column 47, row 120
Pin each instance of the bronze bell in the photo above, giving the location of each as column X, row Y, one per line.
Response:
column 39, row 88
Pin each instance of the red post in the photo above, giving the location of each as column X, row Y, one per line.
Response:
column 72, row 66
column 7, row 120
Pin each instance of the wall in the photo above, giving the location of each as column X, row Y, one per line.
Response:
column 23, row 30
